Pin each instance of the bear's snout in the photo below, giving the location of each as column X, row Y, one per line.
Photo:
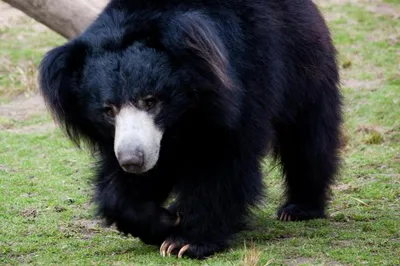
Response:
column 137, row 140
column 132, row 161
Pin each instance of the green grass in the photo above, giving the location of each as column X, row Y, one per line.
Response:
column 45, row 213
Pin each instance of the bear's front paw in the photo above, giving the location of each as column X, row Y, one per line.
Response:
column 180, row 247
column 160, row 229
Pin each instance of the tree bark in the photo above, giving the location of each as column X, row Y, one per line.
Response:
column 66, row 17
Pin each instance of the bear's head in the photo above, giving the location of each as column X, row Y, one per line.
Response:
column 126, row 80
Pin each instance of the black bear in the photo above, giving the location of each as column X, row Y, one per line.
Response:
column 184, row 98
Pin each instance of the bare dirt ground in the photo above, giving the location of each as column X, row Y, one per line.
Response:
column 21, row 108
column 7, row 12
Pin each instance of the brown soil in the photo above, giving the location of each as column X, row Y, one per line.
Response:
column 23, row 108
column 7, row 12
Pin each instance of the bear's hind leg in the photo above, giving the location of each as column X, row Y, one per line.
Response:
column 308, row 151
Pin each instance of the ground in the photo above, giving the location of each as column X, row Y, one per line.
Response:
column 45, row 211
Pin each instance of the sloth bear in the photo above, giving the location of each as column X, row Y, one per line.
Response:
column 183, row 99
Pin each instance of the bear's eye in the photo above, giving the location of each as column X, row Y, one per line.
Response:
column 150, row 102
column 109, row 111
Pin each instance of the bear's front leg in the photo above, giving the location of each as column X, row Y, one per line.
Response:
column 145, row 220
column 213, row 204
column 133, row 204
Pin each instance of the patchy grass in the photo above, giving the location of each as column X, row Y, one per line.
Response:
column 45, row 212
column 23, row 43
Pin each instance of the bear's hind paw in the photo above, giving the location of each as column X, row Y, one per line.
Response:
column 295, row 212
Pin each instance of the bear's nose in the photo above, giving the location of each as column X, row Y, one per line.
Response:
column 131, row 162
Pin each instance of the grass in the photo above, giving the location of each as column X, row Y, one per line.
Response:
column 45, row 213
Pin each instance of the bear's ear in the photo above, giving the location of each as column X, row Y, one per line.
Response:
column 193, row 38
column 59, row 75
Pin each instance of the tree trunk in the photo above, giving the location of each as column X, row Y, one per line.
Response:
column 66, row 17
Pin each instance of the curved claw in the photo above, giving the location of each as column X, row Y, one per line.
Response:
column 170, row 249
column 163, row 248
column 183, row 250
column 178, row 221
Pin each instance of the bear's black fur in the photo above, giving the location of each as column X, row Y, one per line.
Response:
column 235, row 79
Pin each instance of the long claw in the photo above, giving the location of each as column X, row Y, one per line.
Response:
column 281, row 217
column 183, row 250
column 163, row 248
column 178, row 221
column 289, row 217
column 170, row 249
